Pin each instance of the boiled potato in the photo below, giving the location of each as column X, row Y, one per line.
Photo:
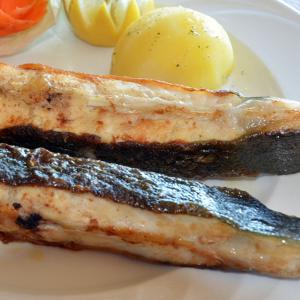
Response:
column 177, row 45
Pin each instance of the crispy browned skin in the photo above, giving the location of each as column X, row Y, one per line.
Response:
column 148, row 124
column 54, row 199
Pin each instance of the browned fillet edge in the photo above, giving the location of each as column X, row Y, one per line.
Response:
column 230, row 266
column 97, row 78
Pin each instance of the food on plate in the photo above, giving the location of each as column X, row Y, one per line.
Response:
column 54, row 199
column 21, row 21
column 101, row 22
column 148, row 124
column 16, row 15
column 178, row 45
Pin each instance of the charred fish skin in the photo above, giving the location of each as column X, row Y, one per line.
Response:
column 148, row 124
column 271, row 153
column 146, row 214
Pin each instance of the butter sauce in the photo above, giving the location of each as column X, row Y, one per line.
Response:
column 251, row 77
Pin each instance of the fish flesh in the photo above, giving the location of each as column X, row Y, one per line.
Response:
column 148, row 124
column 79, row 203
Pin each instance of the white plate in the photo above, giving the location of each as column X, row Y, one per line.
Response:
column 269, row 39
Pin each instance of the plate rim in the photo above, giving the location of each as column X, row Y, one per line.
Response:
column 277, row 5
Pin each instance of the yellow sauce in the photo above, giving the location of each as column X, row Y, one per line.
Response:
column 251, row 77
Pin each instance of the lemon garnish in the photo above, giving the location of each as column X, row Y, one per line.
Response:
column 101, row 22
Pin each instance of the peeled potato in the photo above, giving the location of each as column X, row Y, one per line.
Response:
column 177, row 45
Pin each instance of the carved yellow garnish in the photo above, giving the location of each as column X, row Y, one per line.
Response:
column 101, row 22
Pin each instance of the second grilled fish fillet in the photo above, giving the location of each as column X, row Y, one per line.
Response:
column 148, row 124
column 54, row 199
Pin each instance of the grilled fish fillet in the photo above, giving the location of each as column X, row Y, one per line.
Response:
column 148, row 124
column 54, row 199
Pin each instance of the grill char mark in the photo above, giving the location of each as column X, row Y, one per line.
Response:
column 30, row 222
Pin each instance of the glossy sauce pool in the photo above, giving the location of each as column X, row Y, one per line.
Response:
column 250, row 76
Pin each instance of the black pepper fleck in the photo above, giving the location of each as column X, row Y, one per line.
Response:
column 52, row 96
column 16, row 205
